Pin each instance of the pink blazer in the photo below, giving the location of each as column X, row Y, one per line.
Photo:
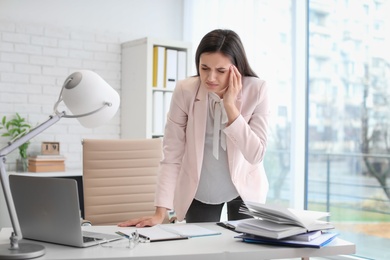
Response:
column 184, row 137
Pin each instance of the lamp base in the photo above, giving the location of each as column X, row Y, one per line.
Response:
column 25, row 251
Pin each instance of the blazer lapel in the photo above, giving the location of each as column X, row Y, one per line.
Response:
column 199, row 122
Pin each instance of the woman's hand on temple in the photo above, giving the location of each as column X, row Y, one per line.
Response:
column 235, row 85
column 230, row 96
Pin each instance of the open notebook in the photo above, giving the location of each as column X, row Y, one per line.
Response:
column 166, row 232
column 48, row 210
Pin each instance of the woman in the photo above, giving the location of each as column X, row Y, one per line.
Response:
column 215, row 137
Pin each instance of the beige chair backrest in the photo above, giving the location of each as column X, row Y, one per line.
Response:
column 119, row 179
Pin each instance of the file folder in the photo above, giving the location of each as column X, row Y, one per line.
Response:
column 170, row 69
column 158, row 112
column 318, row 242
column 181, row 65
column 158, row 66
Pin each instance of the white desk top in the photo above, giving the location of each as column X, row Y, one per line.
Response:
column 223, row 246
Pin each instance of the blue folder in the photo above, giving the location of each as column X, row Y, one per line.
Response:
column 318, row 242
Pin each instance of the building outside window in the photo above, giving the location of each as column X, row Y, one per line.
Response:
column 347, row 150
column 349, row 78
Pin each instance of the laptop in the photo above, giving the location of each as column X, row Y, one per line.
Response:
column 48, row 210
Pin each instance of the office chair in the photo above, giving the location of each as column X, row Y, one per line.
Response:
column 119, row 179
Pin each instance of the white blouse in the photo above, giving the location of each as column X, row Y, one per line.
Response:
column 215, row 185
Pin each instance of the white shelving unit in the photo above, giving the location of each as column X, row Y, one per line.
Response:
column 137, row 85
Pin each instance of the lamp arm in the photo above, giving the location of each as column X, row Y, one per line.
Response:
column 31, row 134
column 4, row 176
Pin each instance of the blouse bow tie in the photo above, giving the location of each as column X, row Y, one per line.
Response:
column 220, row 119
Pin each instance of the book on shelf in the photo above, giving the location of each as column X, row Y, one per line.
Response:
column 42, row 157
column 277, row 222
column 60, row 167
column 46, row 163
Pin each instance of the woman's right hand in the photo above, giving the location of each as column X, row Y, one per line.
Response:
column 147, row 221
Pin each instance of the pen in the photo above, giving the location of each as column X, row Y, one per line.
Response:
column 122, row 234
column 143, row 237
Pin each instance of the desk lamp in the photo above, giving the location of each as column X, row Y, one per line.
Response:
column 93, row 102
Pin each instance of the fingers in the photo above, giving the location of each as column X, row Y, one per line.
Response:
column 235, row 84
column 235, row 77
column 231, row 76
column 131, row 222
column 128, row 223
column 139, row 222
column 145, row 223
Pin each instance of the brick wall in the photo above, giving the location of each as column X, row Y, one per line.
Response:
column 34, row 62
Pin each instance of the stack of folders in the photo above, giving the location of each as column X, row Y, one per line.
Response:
column 169, row 66
column 277, row 225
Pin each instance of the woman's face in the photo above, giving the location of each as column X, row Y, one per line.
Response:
column 214, row 72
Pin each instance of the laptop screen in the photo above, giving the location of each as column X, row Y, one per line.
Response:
column 47, row 209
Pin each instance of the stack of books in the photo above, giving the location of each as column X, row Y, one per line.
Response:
column 46, row 163
column 277, row 225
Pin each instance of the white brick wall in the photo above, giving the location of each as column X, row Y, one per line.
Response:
column 34, row 62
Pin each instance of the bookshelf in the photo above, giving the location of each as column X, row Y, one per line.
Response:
column 143, row 101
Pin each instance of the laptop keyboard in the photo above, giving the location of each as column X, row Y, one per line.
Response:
column 93, row 236
column 90, row 239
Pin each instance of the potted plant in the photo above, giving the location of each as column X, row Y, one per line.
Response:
column 15, row 128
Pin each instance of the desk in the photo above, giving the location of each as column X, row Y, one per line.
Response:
column 220, row 247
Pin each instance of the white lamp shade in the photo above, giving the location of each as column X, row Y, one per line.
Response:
column 84, row 92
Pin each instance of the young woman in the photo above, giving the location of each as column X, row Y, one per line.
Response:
column 215, row 137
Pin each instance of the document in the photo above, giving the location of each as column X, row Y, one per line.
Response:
column 189, row 230
column 158, row 234
column 278, row 222
column 165, row 232
column 309, row 236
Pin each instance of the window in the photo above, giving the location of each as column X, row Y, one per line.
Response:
column 351, row 150
column 348, row 94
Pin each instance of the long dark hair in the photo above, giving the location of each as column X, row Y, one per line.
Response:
column 228, row 43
